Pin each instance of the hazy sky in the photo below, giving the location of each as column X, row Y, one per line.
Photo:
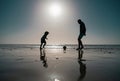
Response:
column 25, row 21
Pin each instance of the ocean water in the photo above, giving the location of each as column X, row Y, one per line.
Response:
column 27, row 62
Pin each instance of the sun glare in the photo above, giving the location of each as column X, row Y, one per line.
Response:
column 55, row 10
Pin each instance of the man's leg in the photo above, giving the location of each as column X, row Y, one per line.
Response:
column 81, row 44
column 78, row 44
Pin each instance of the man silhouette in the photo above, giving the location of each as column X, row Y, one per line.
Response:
column 82, row 33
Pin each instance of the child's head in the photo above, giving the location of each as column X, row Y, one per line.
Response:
column 46, row 33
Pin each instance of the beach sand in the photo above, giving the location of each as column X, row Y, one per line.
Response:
column 31, row 64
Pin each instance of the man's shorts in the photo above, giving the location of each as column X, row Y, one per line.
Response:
column 80, row 36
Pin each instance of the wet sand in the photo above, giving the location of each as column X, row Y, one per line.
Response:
column 31, row 64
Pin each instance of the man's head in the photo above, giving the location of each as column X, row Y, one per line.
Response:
column 79, row 21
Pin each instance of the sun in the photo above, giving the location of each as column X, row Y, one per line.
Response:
column 55, row 9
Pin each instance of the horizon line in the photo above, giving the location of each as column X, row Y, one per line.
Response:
column 58, row 44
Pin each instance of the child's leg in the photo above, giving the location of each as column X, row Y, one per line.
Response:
column 41, row 45
column 44, row 44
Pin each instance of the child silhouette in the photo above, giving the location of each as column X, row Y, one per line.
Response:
column 43, row 41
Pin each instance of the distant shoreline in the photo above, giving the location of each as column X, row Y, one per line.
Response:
column 72, row 46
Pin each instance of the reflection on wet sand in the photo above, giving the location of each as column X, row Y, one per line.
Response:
column 82, row 65
column 43, row 58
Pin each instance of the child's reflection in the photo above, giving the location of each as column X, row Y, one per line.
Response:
column 43, row 58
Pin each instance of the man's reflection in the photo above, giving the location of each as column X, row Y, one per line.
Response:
column 82, row 65
column 43, row 58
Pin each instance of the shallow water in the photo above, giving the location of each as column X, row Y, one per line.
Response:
column 31, row 64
